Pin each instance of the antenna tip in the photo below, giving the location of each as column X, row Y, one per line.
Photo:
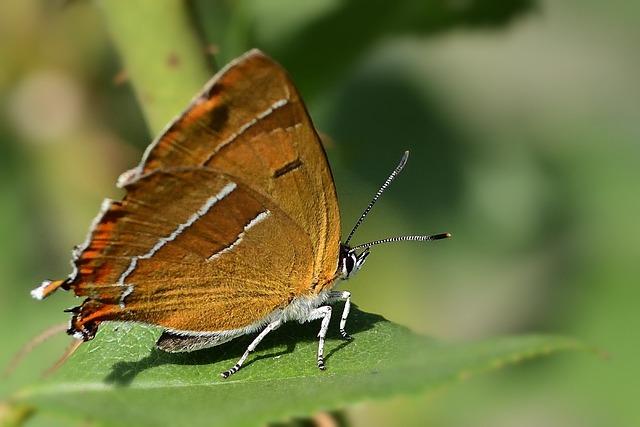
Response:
column 441, row 236
column 403, row 161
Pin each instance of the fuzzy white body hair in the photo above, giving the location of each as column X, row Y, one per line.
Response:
column 299, row 309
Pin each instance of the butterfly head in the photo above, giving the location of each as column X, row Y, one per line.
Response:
column 350, row 261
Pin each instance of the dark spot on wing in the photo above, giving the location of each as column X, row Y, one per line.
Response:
column 219, row 117
column 291, row 166
column 215, row 90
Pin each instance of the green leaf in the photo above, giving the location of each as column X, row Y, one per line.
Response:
column 119, row 378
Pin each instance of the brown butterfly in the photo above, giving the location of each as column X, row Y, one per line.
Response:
column 230, row 224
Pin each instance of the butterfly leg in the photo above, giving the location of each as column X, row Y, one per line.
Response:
column 346, row 296
column 270, row 327
column 323, row 312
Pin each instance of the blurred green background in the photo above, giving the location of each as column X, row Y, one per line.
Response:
column 523, row 119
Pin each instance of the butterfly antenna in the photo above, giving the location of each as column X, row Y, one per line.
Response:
column 75, row 344
column 33, row 343
column 403, row 239
column 373, row 201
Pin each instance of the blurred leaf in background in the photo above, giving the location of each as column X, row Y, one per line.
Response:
column 523, row 121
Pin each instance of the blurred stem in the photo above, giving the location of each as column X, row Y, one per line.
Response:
column 161, row 53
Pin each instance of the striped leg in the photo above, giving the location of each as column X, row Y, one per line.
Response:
column 343, row 295
column 270, row 327
column 323, row 312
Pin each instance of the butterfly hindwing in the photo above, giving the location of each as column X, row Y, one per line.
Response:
column 173, row 342
column 216, row 247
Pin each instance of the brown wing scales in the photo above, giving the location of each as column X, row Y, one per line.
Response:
column 230, row 214
column 250, row 122
column 182, row 285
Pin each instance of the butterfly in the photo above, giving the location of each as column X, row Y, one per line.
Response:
column 230, row 224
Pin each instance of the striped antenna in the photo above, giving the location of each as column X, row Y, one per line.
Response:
column 403, row 239
column 373, row 201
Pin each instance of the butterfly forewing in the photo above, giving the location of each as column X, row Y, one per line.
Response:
column 250, row 122
column 231, row 214
column 230, row 105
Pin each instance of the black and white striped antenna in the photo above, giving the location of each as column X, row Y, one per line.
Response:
column 387, row 182
column 396, row 171
column 425, row 238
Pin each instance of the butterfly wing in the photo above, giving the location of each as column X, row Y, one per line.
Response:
column 191, row 250
column 250, row 122
column 244, row 147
